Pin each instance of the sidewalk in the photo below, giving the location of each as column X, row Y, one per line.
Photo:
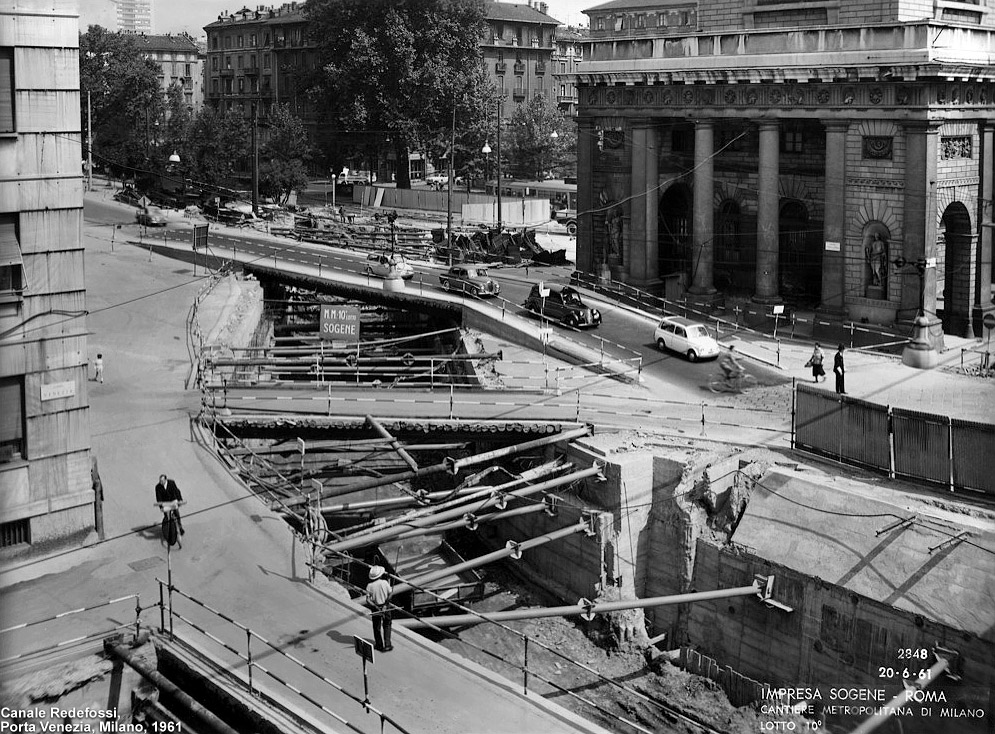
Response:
column 236, row 556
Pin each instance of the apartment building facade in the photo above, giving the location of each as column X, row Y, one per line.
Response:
column 180, row 61
column 567, row 55
column 835, row 154
column 46, row 494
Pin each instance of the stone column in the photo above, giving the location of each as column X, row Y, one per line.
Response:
column 652, row 209
column 634, row 236
column 834, row 227
column 919, row 236
column 703, row 239
column 768, row 242
column 986, row 214
column 586, row 140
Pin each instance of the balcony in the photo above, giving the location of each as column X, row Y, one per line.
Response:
column 540, row 67
column 518, row 95
column 500, row 67
column 252, row 71
column 227, row 72
column 519, row 68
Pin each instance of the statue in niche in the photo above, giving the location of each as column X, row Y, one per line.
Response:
column 876, row 252
column 613, row 226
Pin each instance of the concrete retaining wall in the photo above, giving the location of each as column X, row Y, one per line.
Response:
column 833, row 636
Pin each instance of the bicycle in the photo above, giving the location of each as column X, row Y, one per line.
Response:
column 732, row 384
column 171, row 521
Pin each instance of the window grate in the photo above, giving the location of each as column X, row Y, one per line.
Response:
column 15, row 533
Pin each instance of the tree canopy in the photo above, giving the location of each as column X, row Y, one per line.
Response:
column 125, row 98
column 283, row 156
column 533, row 151
column 394, row 71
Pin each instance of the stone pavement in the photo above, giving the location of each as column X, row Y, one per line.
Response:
column 236, row 555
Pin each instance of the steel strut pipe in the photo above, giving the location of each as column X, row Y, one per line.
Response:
column 394, row 444
column 380, row 535
column 583, row 607
column 188, row 703
column 513, row 549
column 469, row 519
column 406, row 500
column 465, row 496
column 426, row 471
column 902, row 699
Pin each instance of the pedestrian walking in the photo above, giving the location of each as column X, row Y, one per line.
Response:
column 167, row 491
column 378, row 593
column 815, row 362
column 98, row 368
column 341, row 213
column 840, row 370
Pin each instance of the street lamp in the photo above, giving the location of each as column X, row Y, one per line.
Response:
column 486, row 150
column 919, row 352
column 175, row 158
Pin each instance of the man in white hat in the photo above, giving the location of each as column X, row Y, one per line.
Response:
column 378, row 597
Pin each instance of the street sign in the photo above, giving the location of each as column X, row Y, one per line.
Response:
column 543, row 290
column 200, row 237
column 339, row 322
column 364, row 648
column 777, row 310
column 989, row 321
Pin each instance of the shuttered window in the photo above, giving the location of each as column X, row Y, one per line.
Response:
column 11, row 418
column 11, row 278
column 6, row 90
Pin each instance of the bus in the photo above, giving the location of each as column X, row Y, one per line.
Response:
column 562, row 196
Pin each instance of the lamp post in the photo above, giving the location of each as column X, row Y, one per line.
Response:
column 498, row 155
column 919, row 352
column 486, row 150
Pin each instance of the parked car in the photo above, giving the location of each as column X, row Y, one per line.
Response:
column 442, row 179
column 383, row 265
column 563, row 304
column 687, row 337
column 151, row 216
column 568, row 218
column 471, row 279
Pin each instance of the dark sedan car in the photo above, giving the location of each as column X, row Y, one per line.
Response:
column 151, row 216
column 562, row 304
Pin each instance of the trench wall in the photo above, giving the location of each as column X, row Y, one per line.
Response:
column 833, row 637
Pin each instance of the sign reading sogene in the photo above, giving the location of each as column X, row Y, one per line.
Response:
column 339, row 323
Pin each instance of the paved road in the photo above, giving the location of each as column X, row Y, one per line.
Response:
column 623, row 334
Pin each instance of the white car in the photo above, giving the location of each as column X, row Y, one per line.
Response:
column 388, row 266
column 687, row 337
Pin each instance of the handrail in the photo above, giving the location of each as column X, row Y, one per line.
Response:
column 253, row 664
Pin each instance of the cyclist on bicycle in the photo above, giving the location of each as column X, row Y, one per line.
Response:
column 731, row 366
column 167, row 491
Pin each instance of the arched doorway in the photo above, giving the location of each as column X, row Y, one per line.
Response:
column 953, row 272
column 798, row 265
column 675, row 228
column 732, row 270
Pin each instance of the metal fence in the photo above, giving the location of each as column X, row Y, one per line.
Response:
column 930, row 448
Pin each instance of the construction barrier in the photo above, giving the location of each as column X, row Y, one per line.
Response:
column 970, row 441
column 923, row 446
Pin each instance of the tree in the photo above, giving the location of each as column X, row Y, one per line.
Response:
column 283, row 156
column 125, row 99
column 396, row 70
column 217, row 144
column 533, row 151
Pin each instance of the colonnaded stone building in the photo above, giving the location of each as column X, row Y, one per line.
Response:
column 793, row 151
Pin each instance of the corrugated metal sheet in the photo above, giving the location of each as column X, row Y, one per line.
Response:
column 922, row 445
column 973, row 448
column 818, row 418
column 865, row 434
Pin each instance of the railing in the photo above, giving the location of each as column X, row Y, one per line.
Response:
column 785, row 324
column 167, row 591
column 79, row 638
